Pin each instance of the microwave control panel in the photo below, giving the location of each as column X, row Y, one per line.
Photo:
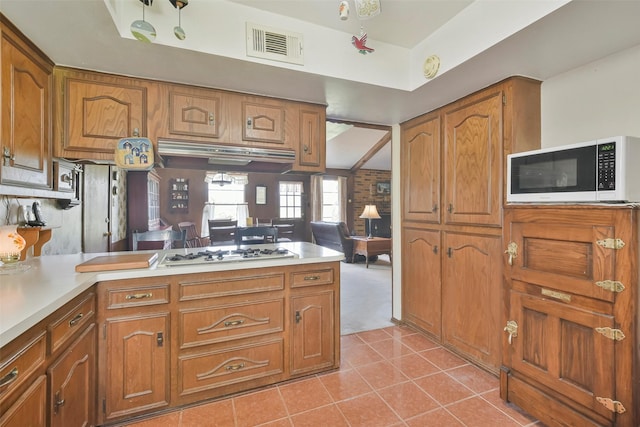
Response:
column 607, row 166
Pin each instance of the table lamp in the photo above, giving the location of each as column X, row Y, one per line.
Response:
column 370, row 212
column 11, row 245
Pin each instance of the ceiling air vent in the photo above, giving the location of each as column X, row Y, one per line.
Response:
column 273, row 44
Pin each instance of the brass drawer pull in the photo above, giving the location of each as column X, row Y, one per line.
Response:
column 236, row 367
column 75, row 320
column 9, row 378
column 139, row 296
column 311, row 277
column 233, row 322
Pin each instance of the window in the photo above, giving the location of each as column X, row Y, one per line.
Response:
column 330, row 200
column 226, row 200
column 290, row 199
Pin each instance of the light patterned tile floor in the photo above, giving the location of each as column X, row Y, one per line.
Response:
column 389, row 377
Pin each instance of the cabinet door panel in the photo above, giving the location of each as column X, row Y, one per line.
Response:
column 72, row 379
column 421, row 177
column 557, row 344
column 473, row 162
column 100, row 114
column 30, row 408
column 26, row 118
column 193, row 115
column 313, row 339
column 137, row 361
column 564, row 257
column 312, row 139
column 263, row 123
column 471, row 290
column 421, row 279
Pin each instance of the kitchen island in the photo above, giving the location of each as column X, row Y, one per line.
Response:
column 166, row 336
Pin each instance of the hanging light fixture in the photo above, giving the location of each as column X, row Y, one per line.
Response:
column 221, row 179
column 177, row 30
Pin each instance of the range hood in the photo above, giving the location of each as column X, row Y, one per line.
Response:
column 224, row 154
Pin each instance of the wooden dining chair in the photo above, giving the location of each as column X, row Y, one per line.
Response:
column 159, row 239
column 193, row 239
column 222, row 232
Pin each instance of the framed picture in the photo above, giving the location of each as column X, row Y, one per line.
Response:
column 383, row 188
column 261, row 195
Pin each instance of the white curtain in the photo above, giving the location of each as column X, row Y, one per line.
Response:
column 237, row 178
column 342, row 197
column 316, row 198
column 209, row 212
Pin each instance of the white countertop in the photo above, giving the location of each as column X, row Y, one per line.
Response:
column 51, row 281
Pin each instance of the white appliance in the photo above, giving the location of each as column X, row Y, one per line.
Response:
column 603, row 170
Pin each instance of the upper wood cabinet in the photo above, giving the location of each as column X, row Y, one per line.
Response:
column 25, row 111
column 263, row 122
column 311, row 156
column 194, row 115
column 420, row 153
column 95, row 111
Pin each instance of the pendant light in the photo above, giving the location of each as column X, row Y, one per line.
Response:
column 178, row 31
column 141, row 29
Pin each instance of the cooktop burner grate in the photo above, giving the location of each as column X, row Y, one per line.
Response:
column 220, row 255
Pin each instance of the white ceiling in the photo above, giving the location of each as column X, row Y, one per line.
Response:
column 479, row 42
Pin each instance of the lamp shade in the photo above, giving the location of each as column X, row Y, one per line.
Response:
column 11, row 243
column 370, row 212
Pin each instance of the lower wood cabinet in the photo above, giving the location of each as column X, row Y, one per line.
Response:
column 181, row 339
column 570, row 335
column 452, row 282
column 72, row 383
column 136, row 359
column 47, row 375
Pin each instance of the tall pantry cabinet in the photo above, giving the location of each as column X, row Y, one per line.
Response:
column 454, row 163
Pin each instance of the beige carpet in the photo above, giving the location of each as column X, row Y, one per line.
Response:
column 365, row 296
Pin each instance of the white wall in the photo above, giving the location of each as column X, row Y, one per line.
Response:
column 600, row 99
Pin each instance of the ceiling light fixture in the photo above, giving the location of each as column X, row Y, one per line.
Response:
column 179, row 4
column 221, row 179
column 141, row 29
column 366, row 9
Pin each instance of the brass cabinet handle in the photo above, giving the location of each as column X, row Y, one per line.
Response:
column 249, row 122
column 298, row 317
column 9, row 378
column 435, row 249
column 211, row 119
column 139, row 296
column 511, row 329
column 512, row 250
column 233, row 322
column 236, row 367
column 76, row 319
column 58, row 403
column 311, row 277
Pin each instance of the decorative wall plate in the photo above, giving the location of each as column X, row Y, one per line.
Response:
column 431, row 66
column 134, row 153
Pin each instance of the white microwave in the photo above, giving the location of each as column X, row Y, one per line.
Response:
column 604, row 170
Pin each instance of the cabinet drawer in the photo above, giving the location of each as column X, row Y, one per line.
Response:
column 72, row 321
column 206, row 371
column 234, row 321
column 312, row 278
column 139, row 296
column 16, row 369
column 224, row 286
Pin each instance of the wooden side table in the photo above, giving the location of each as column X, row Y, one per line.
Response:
column 370, row 247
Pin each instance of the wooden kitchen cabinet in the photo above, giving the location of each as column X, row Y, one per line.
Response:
column 73, row 383
column 420, row 151
column 311, row 156
column 570, row 334
column 455, row 160
column 471, row 295
column 181, row 339
column 134, row 347
column 95, row 111
column 263, row 122
column 422, row 299
column 47, row 375
column 26, row 88
column 312, row 334
column 195, row 113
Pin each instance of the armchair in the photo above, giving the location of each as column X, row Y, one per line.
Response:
column 333, row 235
